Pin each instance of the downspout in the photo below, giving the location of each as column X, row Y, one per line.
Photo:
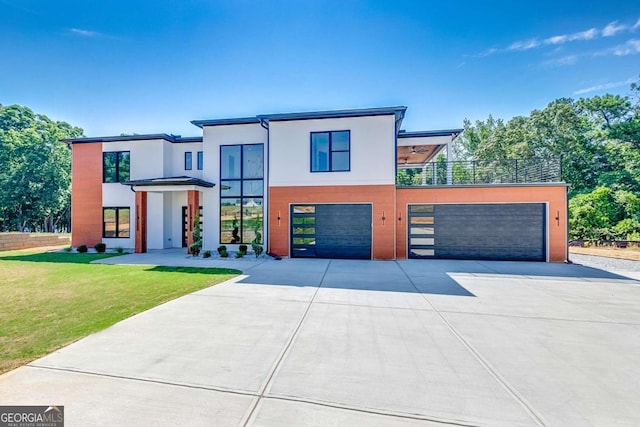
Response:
column 266, row 202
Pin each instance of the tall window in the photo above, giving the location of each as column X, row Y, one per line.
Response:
column 200, row 160
column 241, row 193
column 115, row 222
column 115, row 166
column 188, row 160
column 330, row 151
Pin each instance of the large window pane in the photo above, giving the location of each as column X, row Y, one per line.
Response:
column 109, row 223
column 252, row 164
column 123, row 166
column 123, row 222
column 319, row 152
column 253, row 188
column 252, row 219
column 232, row 191
column 230, row 211
column 340, row 141
column 340, row 161
column 200, row 160
column 230, row 162
column 188, row 160
column 109, row 166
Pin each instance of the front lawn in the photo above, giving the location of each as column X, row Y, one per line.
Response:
column 48, row 300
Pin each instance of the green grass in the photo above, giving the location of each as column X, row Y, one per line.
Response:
column 49, row 300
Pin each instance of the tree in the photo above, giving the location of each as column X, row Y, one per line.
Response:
column 35, row 178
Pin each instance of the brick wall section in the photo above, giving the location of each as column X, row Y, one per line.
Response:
column 86, row 194
column 554, row 195
column 13, row 241
column 381, row 197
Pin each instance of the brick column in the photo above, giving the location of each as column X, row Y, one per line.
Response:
column 141, row 222
column 193, row 203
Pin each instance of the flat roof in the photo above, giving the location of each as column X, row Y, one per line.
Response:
column 398, row 111
column 221, row 122
column 145, row 137
column 426, row 133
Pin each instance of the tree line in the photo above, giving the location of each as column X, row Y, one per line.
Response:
column 35, row 171
column 598, row 141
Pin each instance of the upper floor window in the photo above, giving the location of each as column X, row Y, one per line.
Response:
column 200, row 160
column 115, row 166
column 188, row 161
column 330, row 151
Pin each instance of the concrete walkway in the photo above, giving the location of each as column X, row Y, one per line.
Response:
column 365, row 343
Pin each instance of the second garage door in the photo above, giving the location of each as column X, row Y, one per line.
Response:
column 513, row 231
column 331, row 231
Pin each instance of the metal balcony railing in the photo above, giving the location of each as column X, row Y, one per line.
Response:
column 504, row 171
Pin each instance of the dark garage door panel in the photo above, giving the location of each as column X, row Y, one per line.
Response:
column 341, row 231
column 508, row 231
column 490, row 231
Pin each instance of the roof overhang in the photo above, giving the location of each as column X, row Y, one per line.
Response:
column 160, row 185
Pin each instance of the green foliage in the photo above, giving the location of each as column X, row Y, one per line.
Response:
column 206, row 254
column 100, row 248
column 82, row 249
column 222, row 250
column 604, row 214
column 68, row 249
column 35, row 176
column 196, row 235
column 242, row 249
column 119, row 250
column 256, row 244
column 240, row 254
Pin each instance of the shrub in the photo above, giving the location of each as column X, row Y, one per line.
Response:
column 206, row 254
column 68, row 249
column 119, row 250
column 256, row 246
column 221, row 249
column 242, row 249
column 100, row 248
column 82, row 249
column 224, row 254
column 196, row 246
column 239, row 254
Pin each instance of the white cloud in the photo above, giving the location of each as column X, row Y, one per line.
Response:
column 612, row 29
column 603, row 86
column 631, row 47
column 524, row 45
column 90, row 34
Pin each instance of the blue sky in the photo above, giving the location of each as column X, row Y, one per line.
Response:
column 115, row 66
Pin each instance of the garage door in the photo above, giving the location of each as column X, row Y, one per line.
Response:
column 478, row 231
column 331, row 231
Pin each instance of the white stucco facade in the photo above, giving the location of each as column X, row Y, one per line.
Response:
column 372, row 151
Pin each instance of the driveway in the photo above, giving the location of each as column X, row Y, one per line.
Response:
column 366, row 343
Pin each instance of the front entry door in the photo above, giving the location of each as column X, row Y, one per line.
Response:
column 185, row 224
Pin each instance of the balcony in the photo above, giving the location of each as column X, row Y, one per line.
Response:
column 483, row 172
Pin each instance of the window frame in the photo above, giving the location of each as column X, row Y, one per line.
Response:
column 188, row 160
column 118, row 155
column 117, row 217
column 330, row 151
column 241, row 195
column 199, row 160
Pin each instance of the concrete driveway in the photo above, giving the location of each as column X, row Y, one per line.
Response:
column 365, row 343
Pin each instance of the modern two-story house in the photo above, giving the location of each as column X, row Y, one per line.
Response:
column 330, row 184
